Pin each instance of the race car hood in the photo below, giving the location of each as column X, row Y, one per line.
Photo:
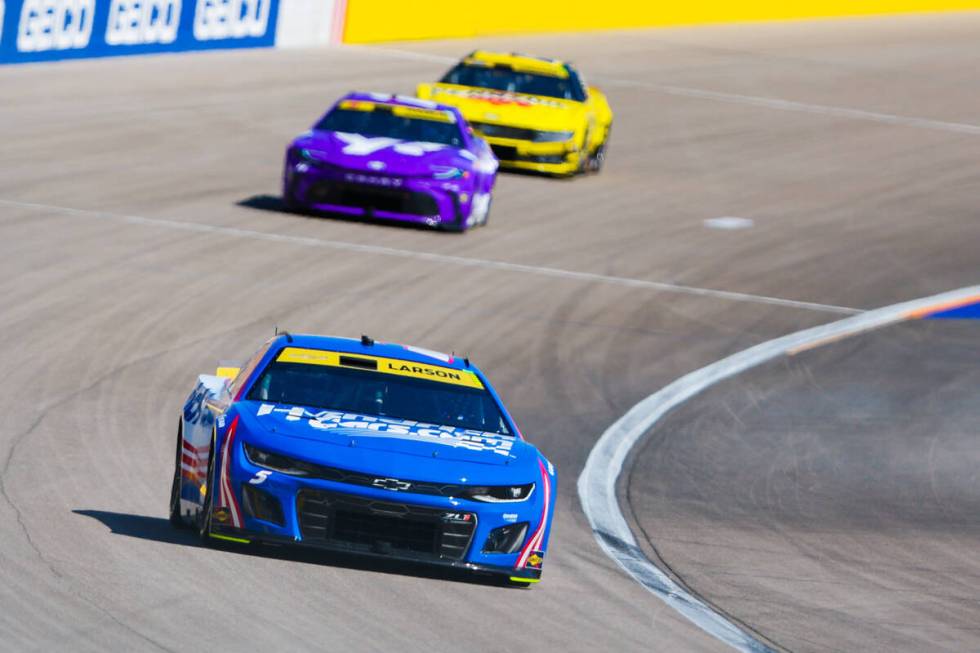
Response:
column 387, row 446
column 381, row 155
column 512, row 109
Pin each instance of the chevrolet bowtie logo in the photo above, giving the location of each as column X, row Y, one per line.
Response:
column 391, row 484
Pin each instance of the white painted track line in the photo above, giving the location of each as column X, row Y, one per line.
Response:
column 310, row 241
column 597, row 483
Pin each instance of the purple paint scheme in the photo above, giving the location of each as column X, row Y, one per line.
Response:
column 393, row 158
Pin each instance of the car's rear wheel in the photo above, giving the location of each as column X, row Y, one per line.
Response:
column 175, row 518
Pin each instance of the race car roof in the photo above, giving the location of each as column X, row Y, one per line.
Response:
column 379, row 349
column 519, row 62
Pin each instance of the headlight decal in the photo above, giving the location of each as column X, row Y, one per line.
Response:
column 275, row 462
column 500, row 493
column 553, row 137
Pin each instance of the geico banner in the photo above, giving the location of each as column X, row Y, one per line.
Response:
column 42, row 30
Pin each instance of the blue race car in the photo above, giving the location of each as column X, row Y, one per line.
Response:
column 366, row 448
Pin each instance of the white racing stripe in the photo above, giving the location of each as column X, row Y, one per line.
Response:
column 487, row 264
column 597, row 483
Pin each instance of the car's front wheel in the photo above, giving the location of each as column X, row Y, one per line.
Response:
column 598, row 157
column 175, row 518
column 204, row 516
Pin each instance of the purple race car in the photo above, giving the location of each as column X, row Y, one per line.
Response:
column 393, row 158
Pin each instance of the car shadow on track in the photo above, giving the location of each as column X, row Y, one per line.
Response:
column 274, row 204
column 159, row 529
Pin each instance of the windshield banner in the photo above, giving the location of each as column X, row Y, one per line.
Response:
column 44, row 30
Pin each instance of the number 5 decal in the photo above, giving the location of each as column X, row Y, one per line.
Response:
column 260, row 477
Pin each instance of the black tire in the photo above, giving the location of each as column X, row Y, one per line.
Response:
column 289, row 202
column 598, row 158
column 175, row 518
column 204, row 516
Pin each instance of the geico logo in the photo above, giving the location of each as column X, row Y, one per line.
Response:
column 55, row 25
column 230, row 19
column 142, row 21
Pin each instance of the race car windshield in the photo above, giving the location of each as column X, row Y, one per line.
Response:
column 504, row 78
column 374, row 393
column 382, row 122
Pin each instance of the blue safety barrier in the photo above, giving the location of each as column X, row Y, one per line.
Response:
column 45, row 30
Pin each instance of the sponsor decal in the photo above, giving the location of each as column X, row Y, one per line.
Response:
column 230, row 19
column 392, row 484
column 535, row 560
column 358, row 145
column 376, row 165
column 418, row 112
column 499, row 98
column 368, row 426
column 44, row 30
column 510, row 516
column 354, row 177
column 222, row 515
column 55, row 25
column 457, row 516
column 133, row 22
column 383, row 365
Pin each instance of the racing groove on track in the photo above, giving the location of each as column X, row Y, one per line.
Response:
column 107, row 323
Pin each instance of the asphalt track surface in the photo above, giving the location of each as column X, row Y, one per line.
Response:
column 829, row 504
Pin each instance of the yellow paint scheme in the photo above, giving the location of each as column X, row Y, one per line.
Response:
column 384, row 365
column 227, row 372
column 587, row 123
column 423, row 114
column 373, row 21
column 414, row 113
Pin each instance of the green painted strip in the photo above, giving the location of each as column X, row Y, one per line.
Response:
column 229, row 538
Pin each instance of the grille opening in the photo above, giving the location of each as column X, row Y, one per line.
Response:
column 385, row 532
column 361, row 363
column 357, row 524
column 377, row 198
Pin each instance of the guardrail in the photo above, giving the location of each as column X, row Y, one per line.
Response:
column 44, row 30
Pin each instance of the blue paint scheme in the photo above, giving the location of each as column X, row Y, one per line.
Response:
column 358, row 443
column 47, row 30
column 968, row 312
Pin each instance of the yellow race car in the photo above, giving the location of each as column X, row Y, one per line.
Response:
column 537, row 114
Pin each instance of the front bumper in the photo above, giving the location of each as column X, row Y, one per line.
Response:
column 561, row 158
column 375, row 522
column 418, row 200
